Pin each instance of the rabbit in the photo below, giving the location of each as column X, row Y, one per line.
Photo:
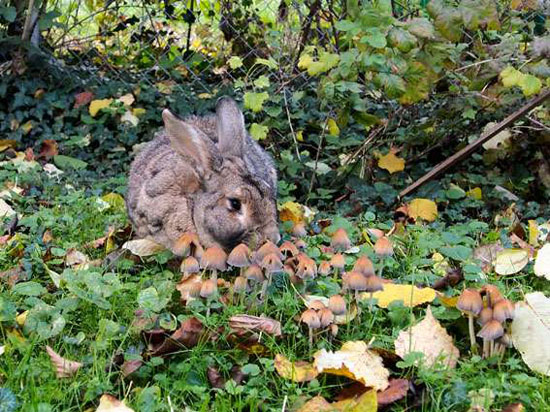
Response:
column 204, row 175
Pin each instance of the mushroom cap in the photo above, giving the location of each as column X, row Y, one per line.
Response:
column 338, row 261
column 188, row 245
column 470, row 301
column 288, row 249
column 364, row 265
column 208, row 288
column 383, row 247
column 272, row 264
column 306, row 267
column 300, row 244
column 324, row 268
column 337, row 304
column 299, row 229
column 214, row 258
column 355, row 281
column 190, row 265
column 240, row 284
column 288, row 269
column 506, row 340
column 239, row 256
column 503, row 309
column 340, row 240
column 254, row 273
column 492, row 292
column 374, row 284
column 326, row 317
column 195, row 289
column 317, row 305
column 485, row 315
column 491, row 330
column 311, row 319
column 268, row 248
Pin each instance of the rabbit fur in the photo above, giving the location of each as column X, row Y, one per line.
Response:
column 204, row 175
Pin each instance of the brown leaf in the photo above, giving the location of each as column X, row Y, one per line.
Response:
column 82, row 99
column 130, row 366
column 513, row 407
column 108, row 403
column 215, row 378
column 29, row 154
column 255, row 324
column 187, row 336
column 48, row 149
column 47, row 237
column 486, row 254
column 13, row 275
column 64, row 368
column 452, row 278
column 397, row 390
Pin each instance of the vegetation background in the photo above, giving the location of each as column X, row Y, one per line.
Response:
column 334, row 90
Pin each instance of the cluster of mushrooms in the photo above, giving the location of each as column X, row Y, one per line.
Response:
column 492, row 311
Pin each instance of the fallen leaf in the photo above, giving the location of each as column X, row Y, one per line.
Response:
column 500, row 139
column 317, row 404
column 475, row 193
column 108, row 403
column 367, row 402
column 510, row 261
column 487, row 254
column 293, row 212
column 130, row 366
column 397, row 390
column 129, row 117
column 64, row 368
column 333, row 128
column 5, row 209
column 391, row 162
column 423, row 208
column 533, row 232
column 82, row 99
column 430, row 338
column 48, row 148
column 127, row 99
column 247, row 323
column 299, row 371
column 185, row 337
column 215, row 378
column 513, row 407
column 410, row 295
column 76, row 258
column 354, row 360
column 7, row 144
column 97, row 105
column 542, row 263
column 530, row 331
column 143, row 247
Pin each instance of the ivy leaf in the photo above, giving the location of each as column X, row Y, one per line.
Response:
column 458, row 252
column 255, row 101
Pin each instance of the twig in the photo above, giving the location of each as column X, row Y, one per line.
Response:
column 317, row 156
column 468, row 150
column 538, row 123
column 291, row 128
column 28, row 22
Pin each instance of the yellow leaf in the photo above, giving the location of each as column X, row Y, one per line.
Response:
column 367, row 402
column 7, row 144
column 291, row 212
column 510, row 261
column 204, row 96
column 333, row 128
column 424, row 209
column 533, row 232
column 127, row 99
column 430, row 338
column 542, row 263
column 354, row 360
column 26, row 127
column 474, row 193
column 143, row 247
column 441, row 266
column 108, row 403
column 115, row 200
column 410, row 295
column 317, row 404
column 21, row 318
column 305, row 61
column 391, row 162
column 299, row 136
column 138, row 111
column 300, row 371
column 97, row 105
column 449, row 301
column 510, row 77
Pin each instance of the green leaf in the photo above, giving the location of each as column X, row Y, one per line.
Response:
column 265, row 62
column 66, row 162
column 321, row 169
column 29, row 289
column 255, row 101
column 9, row 13
column 510, row 77
column 258, row 131
column 530, row 85
column 45, row 320
column 401, row 39
column 235, row 62
column 251, row 369
column 455, row 192
column 458, row 252
column 149, row 299
column 262, row 82
column 421, row 28
column 8, row 311
column 393, row 85
column 375, row 38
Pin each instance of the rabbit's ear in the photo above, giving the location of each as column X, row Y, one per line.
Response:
column 185, row 139
column 230, row 127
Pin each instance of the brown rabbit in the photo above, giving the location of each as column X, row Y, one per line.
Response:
column 204, row 175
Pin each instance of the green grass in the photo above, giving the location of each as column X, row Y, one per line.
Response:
column 98, row 306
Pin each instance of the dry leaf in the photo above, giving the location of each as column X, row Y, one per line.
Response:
column 391, row 162
column 97, row 105
column 108, row 403
column 82, row 99
column 187, row 285
column 542, row 263
column 5, row 209
column 531, row 331
column 410, row 295
column 366, row 402
column 7, row 144
column 185, row 337
column 76, row 258
column 487, row 254
column 248, row 323
column 423, row 208
column 316, row 404
column 130, row 366
column 299, row 371
column 64, row 368
column 397, row 390
column 354, row 360
column 143, row 247
column 48, row 149
column 295, row 212
column 430, row 338
column 510, row 261
column 129, row 117
column 127, row 99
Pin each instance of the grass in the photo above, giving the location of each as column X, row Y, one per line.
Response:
column 98, row 306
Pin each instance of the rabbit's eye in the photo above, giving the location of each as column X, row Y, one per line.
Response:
column 235, row 204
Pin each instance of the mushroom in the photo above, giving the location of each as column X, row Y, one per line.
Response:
column 300, row 244
column 208, row 288
column 299, row 229
column 189, row 265
column 317, row 305
column 240, row 286
column 272, row 264
column 254, row 273
column 374, row 284
column 324, row 268
column 485, row 315
column 364, row 265
column 503, row 310
column 383, row 247
column 337, row 304
column 188, row 245
column 267, row 249
column 326, row 317
column 490, row 331
column 239, row 257
column 340, row 240
column 288, row 249
column 492, row 293
column 306, row 267
column 214, row 258
column 471, row 303
column 338, row 263
column 311, row 319
column 356, row 282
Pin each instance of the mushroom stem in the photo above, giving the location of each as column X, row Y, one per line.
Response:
column 214, row 275
column 473, row 345
column 486, row 347
column 310, row 338
column 335, row 277
column 492, row 351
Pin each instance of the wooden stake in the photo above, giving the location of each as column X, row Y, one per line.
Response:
column 468, row 150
